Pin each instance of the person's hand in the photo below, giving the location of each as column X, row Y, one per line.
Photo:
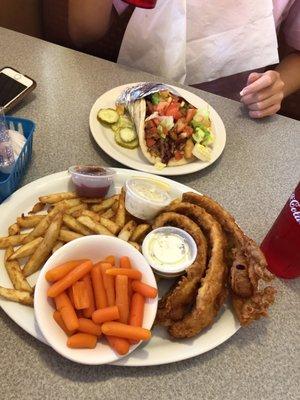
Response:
column 263, row 94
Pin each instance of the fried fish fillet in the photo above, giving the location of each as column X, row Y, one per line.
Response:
column 173, row 305
column 249, row 302
column 212, row 292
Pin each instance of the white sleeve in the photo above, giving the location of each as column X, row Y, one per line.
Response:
column 120, row 6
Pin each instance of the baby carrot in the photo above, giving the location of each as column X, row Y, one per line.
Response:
column 98, row 286
column 58, row 319
column 88, row 326
column 68, row 280
column 70, row 295
column 106, row 314
column 87, row 312
column 144, row 289
column 120, row 345
column 122, row 297
column 110, row 259
column 125, row 331
column 82, row 341
column 131, row 273
column 136, row 314
column 125, row 262
column 80, row 295
column 69, row 317
column 109, row 284
column 62, row 270
column 62, row 300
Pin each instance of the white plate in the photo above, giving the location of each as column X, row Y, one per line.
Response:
column 160, row 350
column 135, row 158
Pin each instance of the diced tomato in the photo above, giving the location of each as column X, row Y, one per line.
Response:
column 173, row 110
column 150, row 142
column 161, row 107
column 190, row 114
column 180, row 125
column 156, row 121
column 178, row 155
column 188, row 130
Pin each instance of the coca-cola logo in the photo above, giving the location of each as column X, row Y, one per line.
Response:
column 295, row 208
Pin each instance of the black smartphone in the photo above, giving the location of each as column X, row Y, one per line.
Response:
column 13, row 87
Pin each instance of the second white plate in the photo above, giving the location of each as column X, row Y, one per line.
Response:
column 135, row 158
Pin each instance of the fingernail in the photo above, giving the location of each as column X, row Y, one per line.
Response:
column 242, row 92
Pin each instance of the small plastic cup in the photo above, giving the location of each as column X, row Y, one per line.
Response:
column 91, row 180
column 167, row 269
column 144, row 198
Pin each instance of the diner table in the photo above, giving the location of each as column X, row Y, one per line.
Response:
column 253, row 179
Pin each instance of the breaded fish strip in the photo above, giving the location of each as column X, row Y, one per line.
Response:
column 212, row 292
column 173, row 305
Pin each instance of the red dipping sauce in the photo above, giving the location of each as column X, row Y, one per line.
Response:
column 91, row 180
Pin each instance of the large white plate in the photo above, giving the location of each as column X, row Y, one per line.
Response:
column 135, row 158
column 160, row 350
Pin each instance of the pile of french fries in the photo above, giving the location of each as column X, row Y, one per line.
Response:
column 55, row 220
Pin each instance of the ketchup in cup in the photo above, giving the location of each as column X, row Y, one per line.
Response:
column 142, row 3
column 281, row 246
column 91, row 180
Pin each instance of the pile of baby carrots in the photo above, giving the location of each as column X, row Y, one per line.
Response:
column 102, row 298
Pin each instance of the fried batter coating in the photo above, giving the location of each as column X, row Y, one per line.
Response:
column 173, row 305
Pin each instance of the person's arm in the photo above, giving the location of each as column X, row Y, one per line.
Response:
column 88, row 20
column 265, row 91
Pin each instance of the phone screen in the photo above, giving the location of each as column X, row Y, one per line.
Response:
column 9, row 89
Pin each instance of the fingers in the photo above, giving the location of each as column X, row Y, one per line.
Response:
column 266, row 112
column 270, row 101
column 265, row 80
column 253, row 77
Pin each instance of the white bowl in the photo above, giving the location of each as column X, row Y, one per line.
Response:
column 95, row 248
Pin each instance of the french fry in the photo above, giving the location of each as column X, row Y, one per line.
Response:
column 69, row 203
column 95, row 217
column 14, row 229
column 94, row 226
column 108, row 213
column 37, row 208
column 68, row 236
column 56, row 197
column 15, row 240
column 57, row 246
column 43, row 225
column 75, row 226
column 110, row 225
column 19, row 296
column 75, row 209
column 127, row 230
column 26, row 250
column 121, row 212
column 136, row 245
column 89, row 200
column 140, row 232
column 29, row 221
column 15, row 273
column 105, row 205
column 115, row 206
column 42, row 252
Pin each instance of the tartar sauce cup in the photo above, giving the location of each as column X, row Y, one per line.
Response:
column 145, row 198
column 91, row 180
column 169, row 251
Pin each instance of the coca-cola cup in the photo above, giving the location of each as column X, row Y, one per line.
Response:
column 142, row 3
column 281, row 246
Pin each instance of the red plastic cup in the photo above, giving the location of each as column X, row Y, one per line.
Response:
column 142, row 3
column 281, row 246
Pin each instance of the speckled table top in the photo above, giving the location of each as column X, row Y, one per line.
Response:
column 253, row 178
